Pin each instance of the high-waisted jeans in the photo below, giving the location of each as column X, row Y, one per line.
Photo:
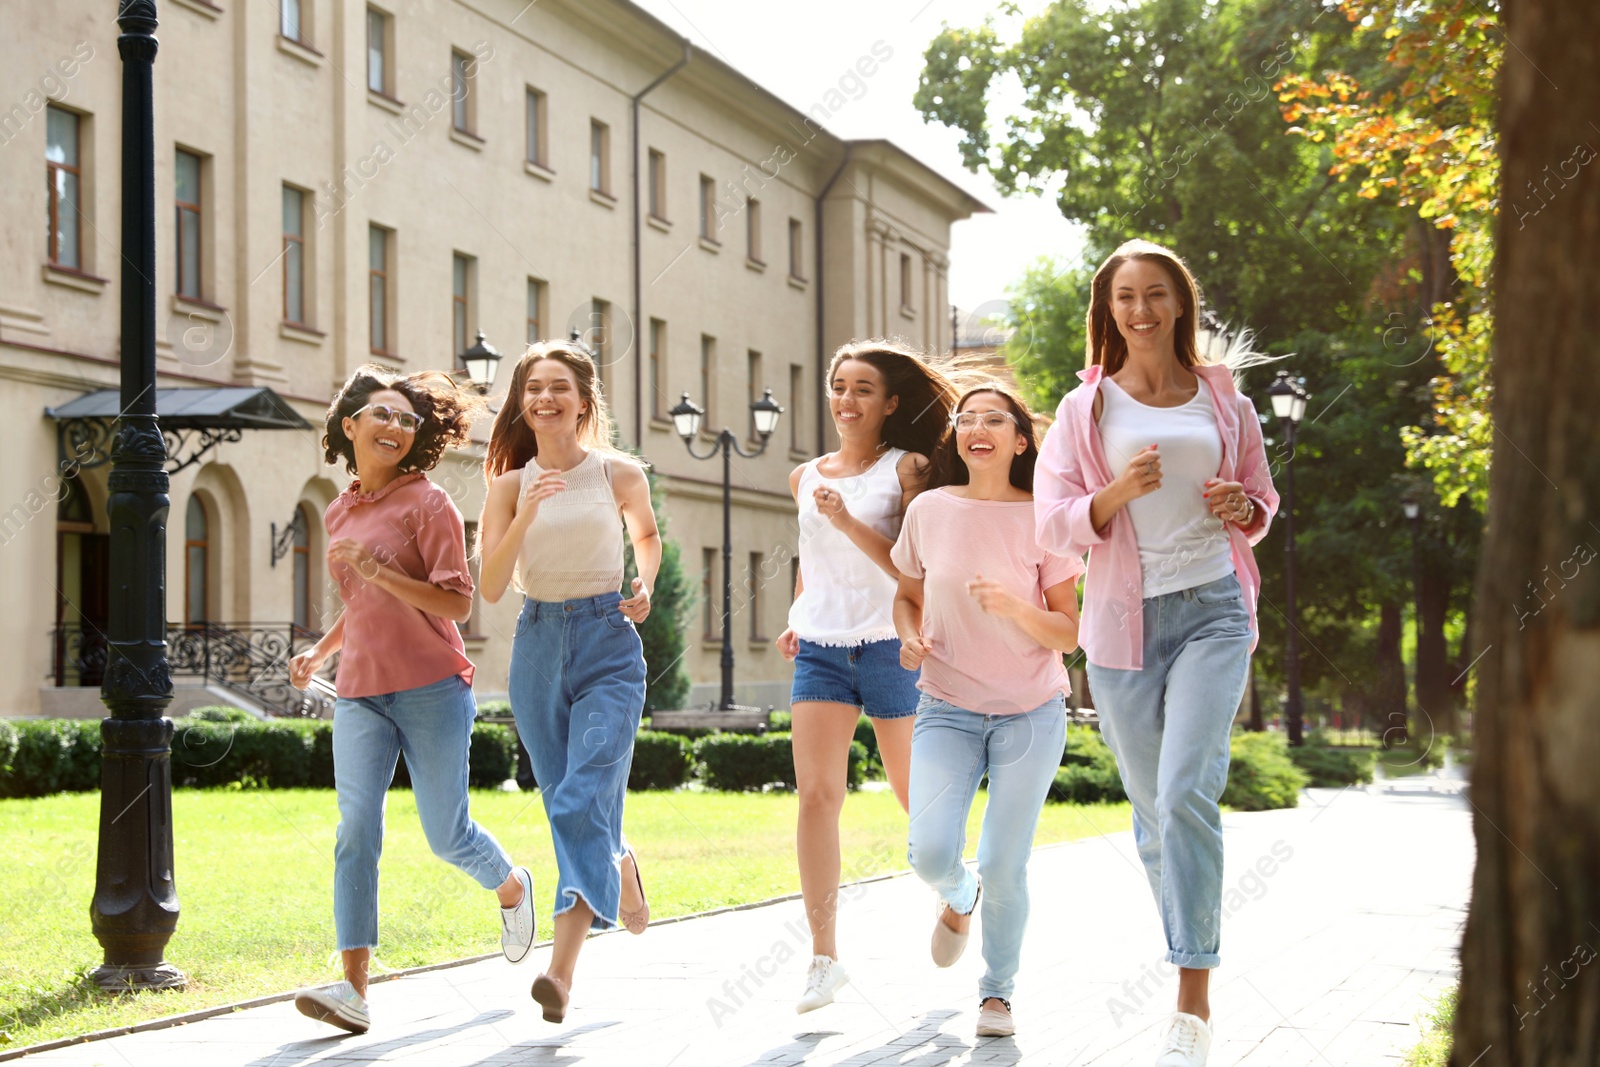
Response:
column 432, row 725
column 1168, row 725
column 951, row 748
column 577, row 691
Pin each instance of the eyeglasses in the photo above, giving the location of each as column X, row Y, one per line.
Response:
column 989, row 420
column 407, row 421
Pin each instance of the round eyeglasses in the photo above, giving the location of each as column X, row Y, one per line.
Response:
column 989, row 420
column 407, row 421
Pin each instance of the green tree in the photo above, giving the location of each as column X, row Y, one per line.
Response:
column 671, row 602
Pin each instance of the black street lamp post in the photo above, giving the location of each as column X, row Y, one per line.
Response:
column 1289, row 405
column 135, row 907
column 1413, row 513
column 686, row 416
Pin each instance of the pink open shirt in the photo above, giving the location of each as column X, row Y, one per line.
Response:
column 389, row 646
column 1072, row 468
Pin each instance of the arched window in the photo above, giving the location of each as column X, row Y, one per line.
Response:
column 197, row 564
column 302, row 567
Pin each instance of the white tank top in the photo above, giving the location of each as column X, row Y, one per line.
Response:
column 1181, row 544
column 573, row 549
column 847, row 598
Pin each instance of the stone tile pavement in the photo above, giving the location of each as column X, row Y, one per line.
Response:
column 1341, row 918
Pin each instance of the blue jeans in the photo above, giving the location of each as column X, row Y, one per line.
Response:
column 1168, row 726
column 951, row 748
column 577, row 691
column 432, row 725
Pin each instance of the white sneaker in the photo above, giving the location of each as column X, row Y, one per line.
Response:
column 825, row 978
column 338, row 1004
column 517, row 924
column 1187, row 1041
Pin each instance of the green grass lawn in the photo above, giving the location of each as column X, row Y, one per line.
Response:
column 255, row 876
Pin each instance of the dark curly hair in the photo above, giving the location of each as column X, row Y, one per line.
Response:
column 950, row 469
column 447, row 412
column 924, row 384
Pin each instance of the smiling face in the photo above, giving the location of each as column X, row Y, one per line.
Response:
column 551, row 400
column 858, row 398
column 987, row 437
column 377, row 443
column 1145, row 306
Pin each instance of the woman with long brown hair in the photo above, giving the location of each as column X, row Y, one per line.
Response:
column 559, row 499
column 890, row 405
column 1155, row 467
column 397, row 551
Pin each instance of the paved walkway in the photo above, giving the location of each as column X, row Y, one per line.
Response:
column 1341, row 919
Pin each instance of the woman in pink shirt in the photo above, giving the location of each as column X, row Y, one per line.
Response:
column 986, row 613
column 397, row 551
column 1155, row 467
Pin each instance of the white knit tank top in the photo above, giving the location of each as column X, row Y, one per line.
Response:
column 573, row 549
column 847, row 598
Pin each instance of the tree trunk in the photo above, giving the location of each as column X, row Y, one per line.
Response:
column 1389, row 702
column 1254, row 696
column 1530, row 986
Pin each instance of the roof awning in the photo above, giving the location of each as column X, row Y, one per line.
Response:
column 193, row 421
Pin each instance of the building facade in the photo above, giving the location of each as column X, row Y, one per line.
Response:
column 340, row 183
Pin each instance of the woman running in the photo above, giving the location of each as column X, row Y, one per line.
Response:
column 397, row 551
column 1170, row 599
column 890, row 408
column 986, row 613
column 559, row 496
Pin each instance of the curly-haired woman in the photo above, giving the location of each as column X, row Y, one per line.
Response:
column 397, row 551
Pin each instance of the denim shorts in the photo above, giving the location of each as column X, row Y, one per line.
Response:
column 868, row 676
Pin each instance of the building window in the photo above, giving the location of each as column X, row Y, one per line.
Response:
column 905, row 283
column 461, row 279
column 378, row 241
column 190, row 225
column 302, row 567
column 757, row 565
column 469, row 627
column 753, row 377
column 708, row 208
column 708, row 364
column 536, row 292
column 536, row 128
column 66, row 186
column 294, row 255
column 378, row 51
column 752, row 217
column 461, row 91
column 797, row 262
column 658, row 357
column 600, row 157
column 711, row 617
column 658, row 185
column 797, row 392
column 196, row 563
column 291, row 19
column 598, row 338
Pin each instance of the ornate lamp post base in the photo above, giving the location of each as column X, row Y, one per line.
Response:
column 121, row 978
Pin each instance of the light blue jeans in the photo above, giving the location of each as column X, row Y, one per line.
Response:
column 577, row 691
column 432, row 725
column 951, row 748
column 1168, row 725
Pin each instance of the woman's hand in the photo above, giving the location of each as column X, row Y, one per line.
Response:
column 1142, row 474
column 536, row 491
column 306, row 664
column 354, row 554
column 993, row 598
column 913, row 650
column 830, row 504
column 788, row 643
column 637, row 607
column 1228, row 501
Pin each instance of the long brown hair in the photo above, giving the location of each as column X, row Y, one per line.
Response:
column 512, row 442
column 950, row 469
column 1107, row 347
column 447, row 412
column 922, row 382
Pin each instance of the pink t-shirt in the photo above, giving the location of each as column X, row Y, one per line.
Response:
column 389, row 646
column 980, row 662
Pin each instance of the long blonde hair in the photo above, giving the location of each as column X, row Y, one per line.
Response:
column 512, row 442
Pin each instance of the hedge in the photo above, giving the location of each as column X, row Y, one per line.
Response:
column 1261, row 775
column 747, row 762
column 1088, row 773
column 660, row 761
column 1326, row 765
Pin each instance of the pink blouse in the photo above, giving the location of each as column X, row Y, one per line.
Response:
column 1072, row 467
column 413, row 526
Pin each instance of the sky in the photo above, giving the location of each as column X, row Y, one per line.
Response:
column 800, row 51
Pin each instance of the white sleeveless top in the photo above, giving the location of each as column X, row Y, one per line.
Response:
column 847, row 599
column 1181, row 544
column 573, row 549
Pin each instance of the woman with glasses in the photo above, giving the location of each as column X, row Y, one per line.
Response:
column 985, row 613
column 397, row 552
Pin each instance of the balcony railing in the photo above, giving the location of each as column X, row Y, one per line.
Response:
column 248, row 659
